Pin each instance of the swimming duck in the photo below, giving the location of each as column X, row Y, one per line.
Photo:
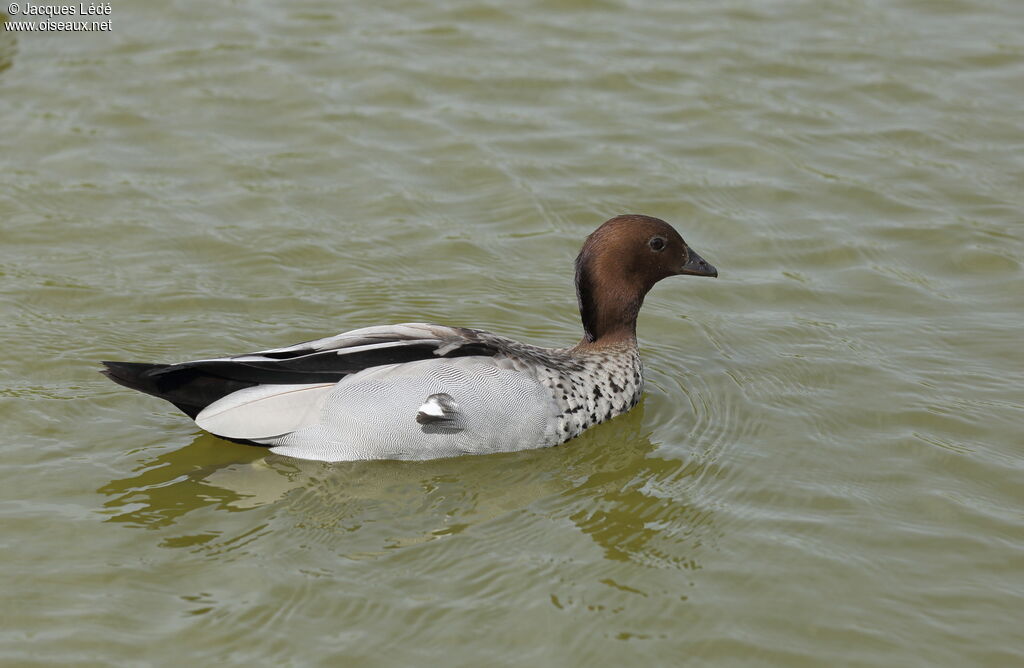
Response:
column 423, row 391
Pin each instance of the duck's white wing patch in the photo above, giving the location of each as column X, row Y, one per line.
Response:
column 440, row 407
column 265, row 411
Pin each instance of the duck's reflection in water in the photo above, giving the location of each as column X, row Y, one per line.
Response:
column 607, row 482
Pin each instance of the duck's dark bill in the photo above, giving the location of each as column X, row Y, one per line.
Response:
column 698, row 266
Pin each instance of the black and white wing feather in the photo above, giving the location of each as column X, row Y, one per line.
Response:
column 191, row 386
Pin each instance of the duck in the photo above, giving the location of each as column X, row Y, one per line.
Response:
column 417, row 391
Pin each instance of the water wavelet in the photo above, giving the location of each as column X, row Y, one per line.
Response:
column 8, row 45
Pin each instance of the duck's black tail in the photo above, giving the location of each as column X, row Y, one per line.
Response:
column 134, row 375
column 188, row 388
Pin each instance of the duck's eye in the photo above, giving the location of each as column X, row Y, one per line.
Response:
column 657, row 244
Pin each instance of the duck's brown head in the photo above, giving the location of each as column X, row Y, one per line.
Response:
column 618, row 264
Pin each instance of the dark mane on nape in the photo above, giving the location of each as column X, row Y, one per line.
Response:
column 585, row 292
column 602, row 294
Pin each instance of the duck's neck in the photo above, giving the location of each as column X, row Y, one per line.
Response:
column 609, row 307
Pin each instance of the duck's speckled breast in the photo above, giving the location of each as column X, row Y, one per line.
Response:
column 588, row 385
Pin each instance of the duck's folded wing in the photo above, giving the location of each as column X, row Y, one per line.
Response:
column 191, row 386
column 335, row 357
